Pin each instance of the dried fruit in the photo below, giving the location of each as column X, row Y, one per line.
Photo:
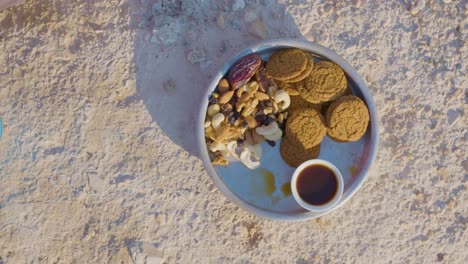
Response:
column 268, row 120
column 213, row 99
column 226, row 97
column 260, row 117
column 226, row 109
column 271, row 143
column 241, row 72
column 233, row 116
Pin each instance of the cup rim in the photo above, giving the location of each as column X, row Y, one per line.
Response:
column 332, row 202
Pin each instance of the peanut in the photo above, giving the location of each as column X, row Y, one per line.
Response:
column 225, row 97
column 213, row 110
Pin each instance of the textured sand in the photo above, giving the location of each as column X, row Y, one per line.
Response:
column 98, row 161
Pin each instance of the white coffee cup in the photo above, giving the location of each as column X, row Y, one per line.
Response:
column 329, row 204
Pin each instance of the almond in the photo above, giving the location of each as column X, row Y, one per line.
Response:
column 262, row 96
column 248, row 137
column 225, row 97
column 223, row 86
column 257, row 138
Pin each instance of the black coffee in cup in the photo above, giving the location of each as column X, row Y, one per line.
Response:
column 317, row 184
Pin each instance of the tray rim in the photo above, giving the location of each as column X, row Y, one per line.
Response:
column 316, row 49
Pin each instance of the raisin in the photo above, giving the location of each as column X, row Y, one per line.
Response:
column 268, row 120
column 213, row 100
column 271, row 143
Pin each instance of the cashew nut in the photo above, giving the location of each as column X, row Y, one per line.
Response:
column 253, row 87
column 267, row 130
column 239, row 92
column 232, row 146
column 282, row 96
column 245, row 157
column 256, row 150
column 216, row 146
column 207, row 124
column 217, row 120
column 213, row 110
column 275, row 136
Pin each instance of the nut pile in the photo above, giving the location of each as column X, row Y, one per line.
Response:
column 246, row 109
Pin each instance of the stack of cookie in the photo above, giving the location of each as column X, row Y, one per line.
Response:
column 316, row 89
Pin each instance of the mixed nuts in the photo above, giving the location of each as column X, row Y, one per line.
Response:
column 246, row 109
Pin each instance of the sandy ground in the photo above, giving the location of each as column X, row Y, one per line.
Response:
column 98, row 161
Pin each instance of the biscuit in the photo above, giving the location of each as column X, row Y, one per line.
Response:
column 347, row 119
column 326, row 82
column 295, row 154
column 305, row 73
column 306, row 126
column 288, row 87
column 286, row 64
column 297, row 102
column 327, row 104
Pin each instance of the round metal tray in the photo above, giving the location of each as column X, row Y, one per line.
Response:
column 260, row 191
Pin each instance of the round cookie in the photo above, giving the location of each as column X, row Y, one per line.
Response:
column 286, row 64
column 294, row 154
column 297, row 103
column 305, row 73
column 326, row 82
column 306, row 127
column 347, row 118
column 288, row 87
column 327, row 104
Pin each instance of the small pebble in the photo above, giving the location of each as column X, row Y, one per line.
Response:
column 238, row 5
column 220, row 22
column 416, row 8
column 258, row 29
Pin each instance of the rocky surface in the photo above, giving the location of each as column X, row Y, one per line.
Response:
column 98, row 160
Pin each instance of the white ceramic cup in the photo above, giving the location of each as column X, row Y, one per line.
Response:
column 317, row 208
